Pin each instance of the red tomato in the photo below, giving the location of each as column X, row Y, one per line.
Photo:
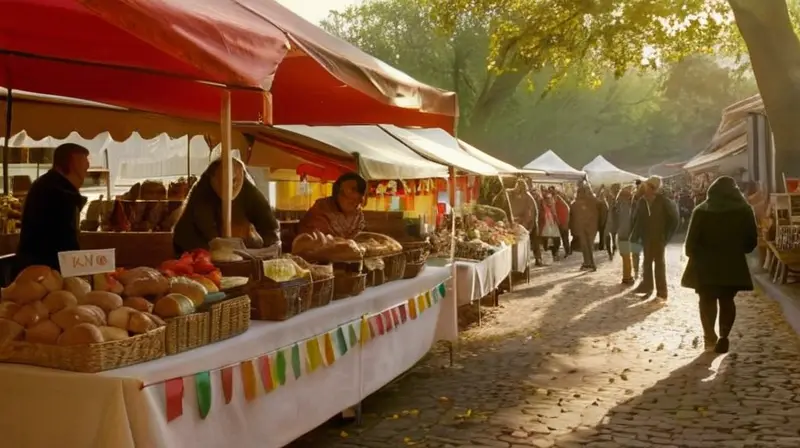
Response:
column 215, row 276
column 203, row 267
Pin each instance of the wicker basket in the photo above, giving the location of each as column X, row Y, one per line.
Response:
column 229, row 318
column 321, row 293
column 413, row 269
column 270, row 300
column 345, row 286
column 395, row 266
column 187, row 332
column 417, row 252
column 249, row 268
column 376, row 277
column 87, row 358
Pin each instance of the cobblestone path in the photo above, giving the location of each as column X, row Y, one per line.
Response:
column 576, row 360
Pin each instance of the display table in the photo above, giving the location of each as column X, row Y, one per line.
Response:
column 521, row 254
column 476, row 279
column 127, row 407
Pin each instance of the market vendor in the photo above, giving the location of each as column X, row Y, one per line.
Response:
column 52, row 209
column 201, row 221
column 340, row 214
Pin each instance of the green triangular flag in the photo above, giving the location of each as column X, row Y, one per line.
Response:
column 353, row 335
column 280, row 367
column 442, row 290
column 296, row 368
column 340, row 341
column 202, row 382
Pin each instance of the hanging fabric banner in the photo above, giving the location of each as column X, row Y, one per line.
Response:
column 202, row 383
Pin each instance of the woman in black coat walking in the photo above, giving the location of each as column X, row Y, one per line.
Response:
column 722, row 231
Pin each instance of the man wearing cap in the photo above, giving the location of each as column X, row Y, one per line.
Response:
column 655, row 223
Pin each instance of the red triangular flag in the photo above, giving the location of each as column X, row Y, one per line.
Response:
column 227, row 383
column 379, row 323
column 173, row 390
column 403, row 312
column 387, row 320
column 266, row 372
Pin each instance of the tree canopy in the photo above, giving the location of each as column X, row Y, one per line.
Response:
column 524, row 89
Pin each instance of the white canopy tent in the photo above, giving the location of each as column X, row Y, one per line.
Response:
column 380, row 156
column 431, row 144
column 554, row 166
column 602, row 172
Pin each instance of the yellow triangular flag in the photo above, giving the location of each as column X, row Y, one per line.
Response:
column 365, row 336
column 313, row 356
column 421, row 303
column 412, row 308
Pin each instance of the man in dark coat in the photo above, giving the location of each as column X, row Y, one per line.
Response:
column 722, row 231
column 584, row 222
column 51, row 214
column 655, row 223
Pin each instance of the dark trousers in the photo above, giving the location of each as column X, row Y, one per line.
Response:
column 586, row 242
column 565, row 241
column 710, row 298
column 655, row 268
column 536, row 246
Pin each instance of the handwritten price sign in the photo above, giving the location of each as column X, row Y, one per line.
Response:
column 77, row 263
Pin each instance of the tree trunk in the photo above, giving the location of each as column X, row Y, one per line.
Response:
column 775, row 56
column 494, row 94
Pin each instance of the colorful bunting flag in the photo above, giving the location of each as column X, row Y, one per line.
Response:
column 388, row 322
column 226, row 375
column 174, row 394
column 249, row 380
column 365, row 331
column 341, row 342
column 266, row 373
column 313, row 355
column 296, row 361
column 202, row 383
column 442, row 290
column 403, row 312
column 420, row 303
column 353, row 334
column 412, row 308
column 280, row 367
column 330, row 356
column 396, row 315
column 428, row 300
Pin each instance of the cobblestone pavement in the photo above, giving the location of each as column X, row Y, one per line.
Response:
column 576, row 360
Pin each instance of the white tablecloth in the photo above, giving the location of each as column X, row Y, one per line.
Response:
column 43, row 408
column 476, row 279
column 521, row 253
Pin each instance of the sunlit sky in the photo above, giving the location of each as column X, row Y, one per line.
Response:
column 316, row 10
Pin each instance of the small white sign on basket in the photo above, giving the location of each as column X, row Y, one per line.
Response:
column 76, row 263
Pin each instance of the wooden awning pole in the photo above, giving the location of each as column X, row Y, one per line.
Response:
column 227, row 163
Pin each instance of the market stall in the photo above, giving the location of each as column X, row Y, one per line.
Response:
column 264, row 388
column 602, row 172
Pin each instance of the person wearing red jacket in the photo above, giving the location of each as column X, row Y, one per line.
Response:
column 562, row 218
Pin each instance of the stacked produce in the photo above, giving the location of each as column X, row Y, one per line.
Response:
column 10, row 214
column 196, row 265
column 475, row 238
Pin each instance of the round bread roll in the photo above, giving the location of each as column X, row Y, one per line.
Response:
column 58, row 300
column 69, row 317
column 98, row 313
column 77, row 286
column 139, row 304
column 44, row 332
column 120, row 317
column 107, row 301
column 8, row 310
column 113, row 333
column 10, row 331
column 49, row 278
column 140, row 323
column 81, row 334
column 189, row 288
column 206, row 282
column 30, row 314
column 173, row 305
column 22, row 292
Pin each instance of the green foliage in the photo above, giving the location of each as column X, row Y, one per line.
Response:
column 533, row 99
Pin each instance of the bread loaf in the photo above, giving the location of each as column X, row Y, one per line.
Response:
column 30, row 314
column 140, row 323
column 107, row 282
column 81, row 334
column 49, row 278
column 69, row 317
column 77, row 286
column 44, row 332
column 10, row 331
column 8, row 310
column 107, row 301
column 149, row 286
column 209, row 285
column 173, row 305
column 189, row 288
column 139, row 304
column 120, row 317
column 22, row 292
column 113, row 334
column 58, row 300
column 98, row 313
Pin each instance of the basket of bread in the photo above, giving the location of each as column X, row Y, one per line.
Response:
column 416, row 253
column 283, row 291
column 388, row 249
column 63, row 323
column 321, row 282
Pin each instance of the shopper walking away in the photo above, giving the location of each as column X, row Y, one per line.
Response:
column 584, row 222
column 536, row 240
column 622, row 220
column 654, row 224
column 722, row 231
column 562, row 215
column 548, row 225
column 52, row 209
column 602, row 210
